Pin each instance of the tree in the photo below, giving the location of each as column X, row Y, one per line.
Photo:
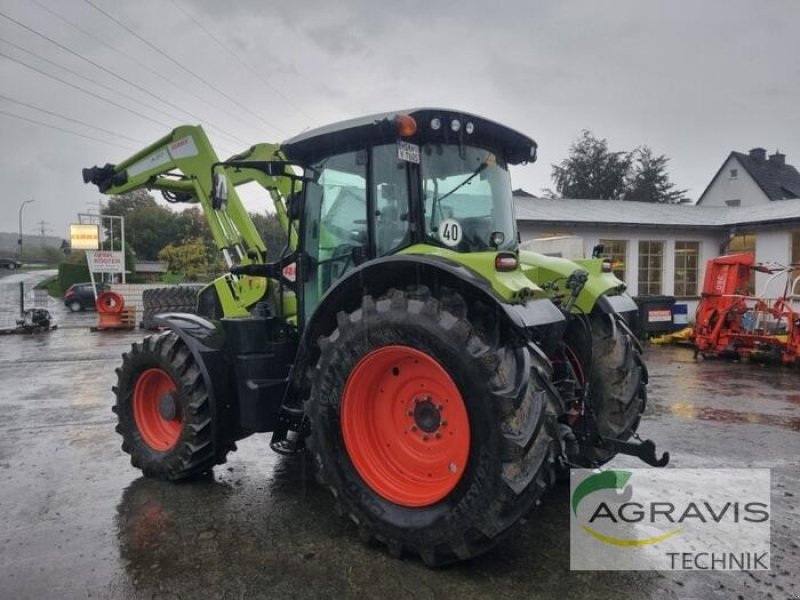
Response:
column 189, row 259
column 148, row 226
column 592, row 170
column 648, row 180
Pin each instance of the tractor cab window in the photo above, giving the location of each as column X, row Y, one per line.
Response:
column 335, row 225
column 390, row 181
column 467, row 194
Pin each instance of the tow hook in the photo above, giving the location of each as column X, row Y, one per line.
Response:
column 645, row 450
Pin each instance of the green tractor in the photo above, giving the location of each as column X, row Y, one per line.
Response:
column 439, row 377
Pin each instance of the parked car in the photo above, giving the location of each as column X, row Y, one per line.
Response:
column 80, row 296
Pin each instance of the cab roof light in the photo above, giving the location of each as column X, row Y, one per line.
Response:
column 406, row 125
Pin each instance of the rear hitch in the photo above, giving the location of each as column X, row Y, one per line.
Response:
column 645, row 450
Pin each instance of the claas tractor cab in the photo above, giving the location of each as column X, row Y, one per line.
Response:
column 439, row 377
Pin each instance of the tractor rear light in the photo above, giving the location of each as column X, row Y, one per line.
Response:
column 406, row 125
column 505, row 261
column 607, row 267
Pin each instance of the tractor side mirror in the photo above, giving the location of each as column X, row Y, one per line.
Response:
column 219, row 193
column 295, row 206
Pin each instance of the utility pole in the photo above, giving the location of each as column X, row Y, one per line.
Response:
column 42, row 229
column 21, row 206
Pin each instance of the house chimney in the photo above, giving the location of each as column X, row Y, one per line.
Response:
column 777, row 159
column 758, row 154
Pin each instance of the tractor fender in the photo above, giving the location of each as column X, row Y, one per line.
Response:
column 620, row 303
column 206, row 343
column 538, row 319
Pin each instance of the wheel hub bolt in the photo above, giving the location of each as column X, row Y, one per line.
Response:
column 424, row 438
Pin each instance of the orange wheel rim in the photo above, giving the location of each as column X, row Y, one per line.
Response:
column 405, row 426
column 156, row 410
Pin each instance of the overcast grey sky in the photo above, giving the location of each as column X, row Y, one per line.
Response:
column 693, row 80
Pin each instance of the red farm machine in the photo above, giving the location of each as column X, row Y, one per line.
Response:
column 732, row 322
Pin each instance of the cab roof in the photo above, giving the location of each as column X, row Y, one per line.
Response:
column 353, row 134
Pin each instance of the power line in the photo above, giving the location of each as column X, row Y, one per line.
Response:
column 57, row 128
column 102, row 85
column 101, row 67
column 219, row 43
column 145, row 67
column 182, row 67
column 77, row 121
column 80, row 89
column 94, row 95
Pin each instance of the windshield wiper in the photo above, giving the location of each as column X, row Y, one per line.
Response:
column 436, row 201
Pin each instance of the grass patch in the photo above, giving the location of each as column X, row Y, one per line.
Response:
column 52, row 285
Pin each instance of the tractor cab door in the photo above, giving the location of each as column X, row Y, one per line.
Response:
column 356, row 208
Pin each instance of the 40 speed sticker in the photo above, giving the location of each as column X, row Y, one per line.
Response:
column 450, row 232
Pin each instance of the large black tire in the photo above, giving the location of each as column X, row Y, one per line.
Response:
column 193, row 450
column 511, row 451
column 155, row 301
column 617, row 385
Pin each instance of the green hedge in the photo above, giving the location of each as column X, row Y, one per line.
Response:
column 72, row 273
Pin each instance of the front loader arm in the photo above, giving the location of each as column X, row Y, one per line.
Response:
column 181, row 163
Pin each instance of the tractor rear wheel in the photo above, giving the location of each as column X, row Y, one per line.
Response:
column 431, row 440
column 164, row 411
column 617, row 386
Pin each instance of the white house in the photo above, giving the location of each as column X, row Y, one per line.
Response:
column 752, row 179
column 663, row 248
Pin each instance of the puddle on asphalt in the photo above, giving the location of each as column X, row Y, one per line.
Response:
column 721, row 415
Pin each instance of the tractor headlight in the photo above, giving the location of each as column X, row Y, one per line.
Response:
column 455, row 125
column 436, row 123
column 469, row 128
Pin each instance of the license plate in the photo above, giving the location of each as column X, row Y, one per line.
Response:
column 408, row 152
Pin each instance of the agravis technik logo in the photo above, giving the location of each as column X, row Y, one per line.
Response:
column 670, row 519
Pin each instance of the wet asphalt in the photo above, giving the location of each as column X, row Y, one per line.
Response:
column 77, row 521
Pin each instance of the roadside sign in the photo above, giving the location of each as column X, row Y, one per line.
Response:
column 105, row 261
column 84, row 237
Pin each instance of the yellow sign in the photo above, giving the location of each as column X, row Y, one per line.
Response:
column 84, row 237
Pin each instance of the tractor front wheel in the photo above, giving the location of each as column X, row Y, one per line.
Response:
column 163, row 410
column 431, row 439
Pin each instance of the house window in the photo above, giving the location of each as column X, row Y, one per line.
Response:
column 795, row 247
column 744, row 243
column 733, row 203
column 734, row 173
column 651, row 267
column 616, row 251
column 687, row 258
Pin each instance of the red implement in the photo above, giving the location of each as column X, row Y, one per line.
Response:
column 731, row 322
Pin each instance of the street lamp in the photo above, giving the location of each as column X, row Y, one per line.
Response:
column 21, row 206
